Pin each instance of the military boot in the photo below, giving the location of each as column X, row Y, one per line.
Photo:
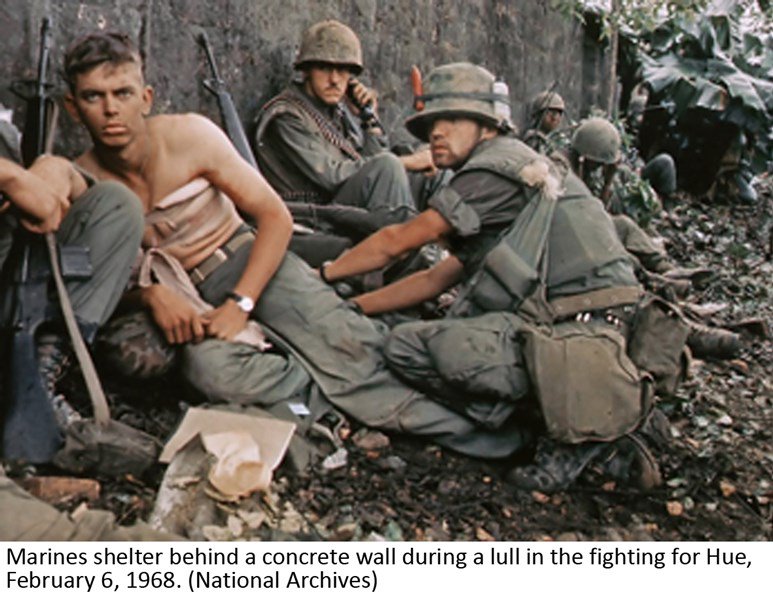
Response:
column 713, row 342
column 53, row 362
column 111, row 449
column 556, row 465
column 630, row 459
column 696, row 275
column 745, row 193
column 667, row 287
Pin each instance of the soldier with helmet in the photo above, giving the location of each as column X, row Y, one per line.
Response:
column 320, row 337
column 547, row 111
column 520, row 269
column 320, row 140
column 596, row 147
column 597, row 142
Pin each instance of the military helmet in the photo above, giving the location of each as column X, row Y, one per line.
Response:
column 460, row 90
column 330, row 42
column 598, row 140
column 547, row 100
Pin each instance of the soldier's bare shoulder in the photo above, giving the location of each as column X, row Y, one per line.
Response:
column 182, row 132
column 179, row 125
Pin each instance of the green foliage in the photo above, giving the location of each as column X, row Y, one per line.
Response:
column 637, row 197
column 710, row 61
column 639, row 201
column 698, row 54
column 631, row 17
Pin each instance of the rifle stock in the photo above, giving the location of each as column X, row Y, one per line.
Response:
column 30, row 430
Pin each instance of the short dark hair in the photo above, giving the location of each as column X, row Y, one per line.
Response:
column 97, row 48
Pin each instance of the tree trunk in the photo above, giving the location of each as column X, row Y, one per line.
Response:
column 613, row 44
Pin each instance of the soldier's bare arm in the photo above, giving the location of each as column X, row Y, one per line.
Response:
column 43, row 202
column 389, row 244
column 177, row 318
column 215, row 159
column 414, row 289
column 60, row 174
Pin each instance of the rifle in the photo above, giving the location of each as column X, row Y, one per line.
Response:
column 353, row 222
column 230, row 118
column 30, row 430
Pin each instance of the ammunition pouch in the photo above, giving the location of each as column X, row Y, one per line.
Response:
column 587, row 386
column 503, row 282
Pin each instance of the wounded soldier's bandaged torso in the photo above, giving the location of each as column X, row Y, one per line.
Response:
column 191, row 223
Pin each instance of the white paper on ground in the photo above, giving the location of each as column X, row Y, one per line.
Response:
column 251, row 449
column 239, row 470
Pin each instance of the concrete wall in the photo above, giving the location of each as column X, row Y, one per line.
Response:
column 255, row 41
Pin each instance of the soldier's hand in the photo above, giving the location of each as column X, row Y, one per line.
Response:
column 362, row 95
column 42, row 206
column 51, row 222
column 174, row 315
column 420, row 161
column 225, row 321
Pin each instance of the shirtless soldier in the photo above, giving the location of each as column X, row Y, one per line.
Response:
column 184, row 171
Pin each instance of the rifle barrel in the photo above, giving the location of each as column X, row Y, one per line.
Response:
column 204, row 41
column 34, row 135
column 45, row 48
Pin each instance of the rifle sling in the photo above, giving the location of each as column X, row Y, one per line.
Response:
column 96, row 393
column 93, row 385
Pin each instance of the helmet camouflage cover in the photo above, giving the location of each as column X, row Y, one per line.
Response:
column 459, row 90
column 547, row 100
column 330, row 42
column 598, row 140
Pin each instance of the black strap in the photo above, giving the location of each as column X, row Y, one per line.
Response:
column 486, row 96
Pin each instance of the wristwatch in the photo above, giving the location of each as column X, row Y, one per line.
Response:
column 243, row 302
column 322, row 275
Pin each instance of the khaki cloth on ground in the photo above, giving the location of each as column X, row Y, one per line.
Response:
column 25, row 518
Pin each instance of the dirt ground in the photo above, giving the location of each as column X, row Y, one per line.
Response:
column 717, row 472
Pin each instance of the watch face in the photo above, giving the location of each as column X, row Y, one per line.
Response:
column 243, row 302
column 246, row 304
